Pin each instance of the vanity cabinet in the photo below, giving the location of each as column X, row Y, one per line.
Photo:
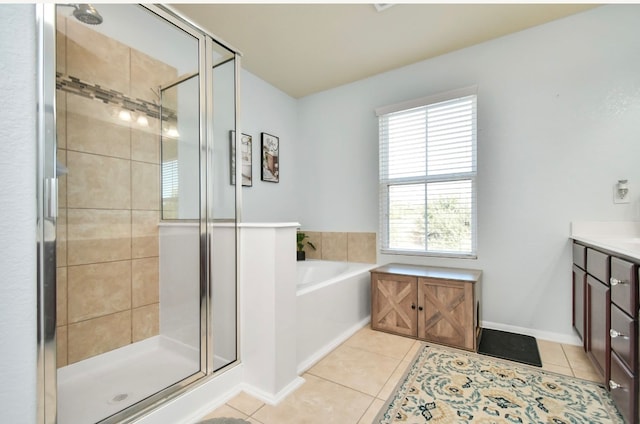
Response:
column 579, row 282
column 609, row 328
column 440, row 305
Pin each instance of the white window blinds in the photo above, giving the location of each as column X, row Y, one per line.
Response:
column 428, row 176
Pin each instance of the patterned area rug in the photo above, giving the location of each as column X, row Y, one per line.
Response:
column 450, row 386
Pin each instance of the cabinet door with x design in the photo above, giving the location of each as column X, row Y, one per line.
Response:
column 394, row 304
column 445, row 315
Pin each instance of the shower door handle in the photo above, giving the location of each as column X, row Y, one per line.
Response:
column 51, row 198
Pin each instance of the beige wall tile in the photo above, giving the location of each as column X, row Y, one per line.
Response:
column 97, row 59
column 98, row 182
column 94, row 127
column 99, row 289
column 146, row 322
column 145, row 234
column 61, row 346
column 61, row 119
column 145, row 279
column 62, row 179
column 61, row 296
column 61, row 237
column 61, row 43
column 98, row 335
column 145, row 142
column 96, row 235
column 145, row 179
column 334, row 246
column 362, row 247
column 316, row 239
column 147, row 74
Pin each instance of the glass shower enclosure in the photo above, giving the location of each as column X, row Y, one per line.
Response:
column 137, row 217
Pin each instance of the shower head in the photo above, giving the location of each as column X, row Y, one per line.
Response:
column 87, row 14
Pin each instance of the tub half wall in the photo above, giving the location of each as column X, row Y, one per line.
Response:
column 331, row 312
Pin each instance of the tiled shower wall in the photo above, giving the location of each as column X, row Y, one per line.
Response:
column 108, row 203
column 337, row 246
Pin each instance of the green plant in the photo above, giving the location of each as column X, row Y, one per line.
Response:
column 300, row 236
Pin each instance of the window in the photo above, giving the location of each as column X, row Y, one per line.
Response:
column 428, row 175
column 170, row 189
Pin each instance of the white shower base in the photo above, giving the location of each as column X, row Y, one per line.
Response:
column 93, row 389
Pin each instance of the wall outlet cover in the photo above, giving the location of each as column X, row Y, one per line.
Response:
column 616, row 196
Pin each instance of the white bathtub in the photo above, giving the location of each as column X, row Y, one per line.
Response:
column 333, row 302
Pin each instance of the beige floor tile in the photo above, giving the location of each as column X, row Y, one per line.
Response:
column 317, row 401
column 254, row 421
column 590, row 375
column 413, row 351
column 372, row 411
column 381, row 343
column 393, row 381
column 552, row 353
column 245, row 403
column 224, row 411
column 356, row 368
column 577, row 358
column 558, row 369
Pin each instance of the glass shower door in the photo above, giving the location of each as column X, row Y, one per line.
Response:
column 129, row 287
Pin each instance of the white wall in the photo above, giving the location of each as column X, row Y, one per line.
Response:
column 17, row 215
column 267, row 109
column 558, row 109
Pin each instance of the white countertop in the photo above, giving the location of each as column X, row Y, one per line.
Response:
column 621, row 237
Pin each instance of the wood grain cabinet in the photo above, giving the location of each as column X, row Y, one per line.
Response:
column 440, row 305
column 606, row 316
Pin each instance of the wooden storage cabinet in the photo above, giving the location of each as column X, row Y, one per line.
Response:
column 440, row 305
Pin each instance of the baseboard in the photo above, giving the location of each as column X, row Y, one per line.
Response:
column 269, row 398
column 323, row 351
column 542, row 335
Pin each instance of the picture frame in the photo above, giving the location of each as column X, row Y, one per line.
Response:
column 246, row 143
column 270, row 148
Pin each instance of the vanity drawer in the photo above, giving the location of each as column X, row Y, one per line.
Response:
column 598, row 265
column 579, row 255
column 623, row 389
column 624, row 287
column 623, row 336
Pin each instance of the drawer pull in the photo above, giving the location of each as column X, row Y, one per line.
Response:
column 413, row 306
column 613, row 385
column 615, row 281
column 615, row 333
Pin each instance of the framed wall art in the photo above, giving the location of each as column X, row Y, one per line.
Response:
column 270, row 158
column 245, row 152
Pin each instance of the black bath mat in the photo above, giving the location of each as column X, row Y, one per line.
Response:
column 511, row 346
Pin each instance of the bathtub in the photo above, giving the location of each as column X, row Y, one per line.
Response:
column 333, row 302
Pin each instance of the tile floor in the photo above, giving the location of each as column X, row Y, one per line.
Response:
column 351, row 383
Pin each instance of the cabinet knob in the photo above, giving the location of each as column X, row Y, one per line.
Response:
column 413, row 306
column 420, row 308
column 615, row 281
column 615, row 333
column 613, row 385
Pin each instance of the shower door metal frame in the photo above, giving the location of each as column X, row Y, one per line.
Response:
column 46, row 181
column 46, row 204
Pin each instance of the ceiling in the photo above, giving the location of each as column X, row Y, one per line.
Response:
column 306, row 48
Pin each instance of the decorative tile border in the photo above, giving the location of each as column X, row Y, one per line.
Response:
column 73, row 85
